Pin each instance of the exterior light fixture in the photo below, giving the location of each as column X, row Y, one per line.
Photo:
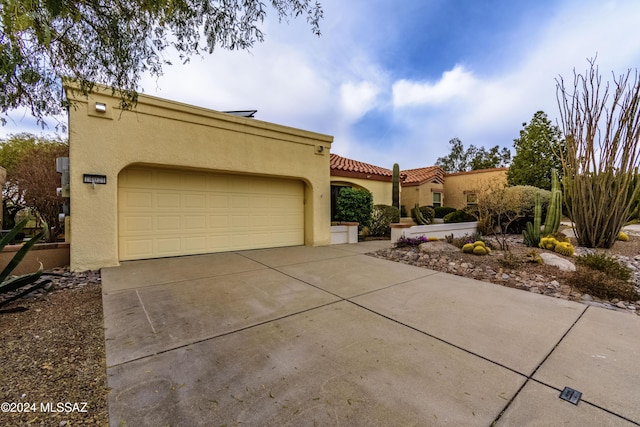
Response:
column 101, row 107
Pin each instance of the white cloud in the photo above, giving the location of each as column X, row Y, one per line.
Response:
column 454, row 83
column 357, row 98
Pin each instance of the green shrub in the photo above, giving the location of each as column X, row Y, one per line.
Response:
column 606, row 264
column 458, row 216
column 354, row 204
column 382, row 217
column 428, row 213
column 403, row 211
column 441, row 211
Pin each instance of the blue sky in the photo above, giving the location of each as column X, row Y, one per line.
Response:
column 395, row 81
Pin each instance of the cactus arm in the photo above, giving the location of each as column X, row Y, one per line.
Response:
column 558, row 212
column 537, row 214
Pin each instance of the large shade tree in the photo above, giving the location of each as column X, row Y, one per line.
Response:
column 114, row 42
column 537, row 153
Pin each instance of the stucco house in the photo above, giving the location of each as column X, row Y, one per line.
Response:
column 424, row 186
column 461, row 188
column 170, row 179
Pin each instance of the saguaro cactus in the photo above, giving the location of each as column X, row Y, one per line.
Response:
column 532, row 232
column 554, row 212
column 395, row 188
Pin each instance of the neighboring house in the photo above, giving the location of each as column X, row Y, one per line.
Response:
column 424, row 186
column 351, row 173
column 428, row 186
column 172, row 179
column 461, row 188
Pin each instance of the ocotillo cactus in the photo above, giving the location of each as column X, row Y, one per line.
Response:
column 554, row 212
column 395, row 188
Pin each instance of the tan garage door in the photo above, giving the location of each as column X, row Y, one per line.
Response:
column 165, row 212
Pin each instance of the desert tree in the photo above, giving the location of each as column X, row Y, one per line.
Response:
column 32, row 178
column 500, row 207
column 114, row 42
column 460, row 159
column 601, row 125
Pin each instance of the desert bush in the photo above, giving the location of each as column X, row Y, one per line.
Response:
column 354, row 204
column 460, row 215
column 441, row 211
column 510, row 261
column 514, row 207
column 382, row 216
column 606, row 264
column 601, row 284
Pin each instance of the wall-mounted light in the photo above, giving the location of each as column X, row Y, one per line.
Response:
column 320, row 148
column 101, row 107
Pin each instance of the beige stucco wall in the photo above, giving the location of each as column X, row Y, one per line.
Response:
column 166, row 133
column 421, row 194
column 380, row 190
column 457, row 185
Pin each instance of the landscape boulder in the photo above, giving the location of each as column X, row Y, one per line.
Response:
column 557, row 261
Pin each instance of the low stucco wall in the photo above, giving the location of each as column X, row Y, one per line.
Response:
column 440, row 231
column 51, row 255
column 346, row 232
column 170, row 134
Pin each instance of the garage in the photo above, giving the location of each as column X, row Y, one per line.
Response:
column 169, row 212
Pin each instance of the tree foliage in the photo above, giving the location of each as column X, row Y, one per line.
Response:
column 537, row 153
column 32, row 178
column 602, row 131
column 473, row 158
column 113, row 42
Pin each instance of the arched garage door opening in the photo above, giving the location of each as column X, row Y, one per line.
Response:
column 171, row 212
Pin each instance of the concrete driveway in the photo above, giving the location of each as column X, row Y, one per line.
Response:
column 329, row 336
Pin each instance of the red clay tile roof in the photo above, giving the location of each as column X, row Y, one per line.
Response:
column 422, row 175
column 341, row 166
column 477, row 171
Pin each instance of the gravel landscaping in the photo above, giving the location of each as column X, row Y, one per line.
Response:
column 53, row 360
column 516, row 269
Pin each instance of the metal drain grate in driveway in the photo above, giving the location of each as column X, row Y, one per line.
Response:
column 571, row 395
